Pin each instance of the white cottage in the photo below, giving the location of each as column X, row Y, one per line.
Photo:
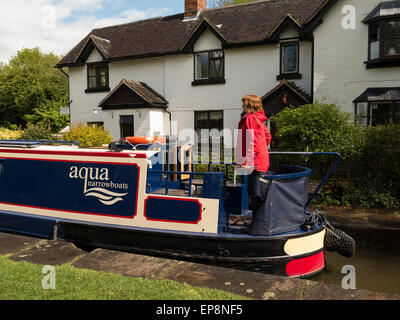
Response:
column 188, row 72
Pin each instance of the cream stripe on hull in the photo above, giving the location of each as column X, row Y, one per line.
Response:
column 305, row 245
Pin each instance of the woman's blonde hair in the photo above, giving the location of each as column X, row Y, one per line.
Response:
column 252, row 104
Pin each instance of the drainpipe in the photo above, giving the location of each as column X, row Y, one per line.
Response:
column 170, row 121
column 312, row 68
column 69, row 93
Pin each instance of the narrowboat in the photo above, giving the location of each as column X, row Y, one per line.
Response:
column 147, row 198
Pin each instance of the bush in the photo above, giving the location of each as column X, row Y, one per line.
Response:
column 7, row 134
column 371, row 155
column 88, row 136
column 374, row 178
column 380, row 154
column 318, row 127
column 37, row 132
column 359, row 191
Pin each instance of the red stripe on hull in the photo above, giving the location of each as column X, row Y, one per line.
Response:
column 307, row 265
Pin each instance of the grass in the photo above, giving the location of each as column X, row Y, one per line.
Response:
column 23, row 281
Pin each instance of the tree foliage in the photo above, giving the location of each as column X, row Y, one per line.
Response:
column 33, row 90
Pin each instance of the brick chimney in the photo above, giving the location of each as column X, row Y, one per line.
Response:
column 192, row 7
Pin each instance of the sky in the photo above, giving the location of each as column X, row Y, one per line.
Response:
column 58, row 25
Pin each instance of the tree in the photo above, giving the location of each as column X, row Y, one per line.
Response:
column 222, row 3
column 32, row 90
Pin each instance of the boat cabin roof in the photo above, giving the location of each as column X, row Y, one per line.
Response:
column 68, row 147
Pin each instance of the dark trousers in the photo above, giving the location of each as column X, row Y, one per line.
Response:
column 254, row 191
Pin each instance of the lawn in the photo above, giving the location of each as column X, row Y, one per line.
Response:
column 23, row 281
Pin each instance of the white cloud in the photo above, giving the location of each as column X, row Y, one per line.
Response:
column 56, row 25
column 130, row 15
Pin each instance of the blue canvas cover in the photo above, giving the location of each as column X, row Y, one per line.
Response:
column 282, row 209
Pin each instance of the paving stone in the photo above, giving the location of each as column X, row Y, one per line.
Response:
column 49, row 253
column 11, row 243
column 250, row 284
column 126, row 264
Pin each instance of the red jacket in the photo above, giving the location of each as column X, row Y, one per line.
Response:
column 254, row 153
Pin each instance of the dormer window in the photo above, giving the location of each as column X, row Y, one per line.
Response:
column 97, row 77
column 384, row 35
column 289, row 61
column 209, row 67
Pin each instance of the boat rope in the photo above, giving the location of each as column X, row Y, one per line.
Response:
column 335, row 239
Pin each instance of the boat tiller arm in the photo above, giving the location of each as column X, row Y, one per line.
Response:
column 325, row 179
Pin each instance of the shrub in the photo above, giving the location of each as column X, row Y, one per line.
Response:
column 380, row 154
column 371, row 155
column 88, row 136
column 359, row 191
column 37, row 132
column 7, row 134
column 374, row 178
column 318, row 127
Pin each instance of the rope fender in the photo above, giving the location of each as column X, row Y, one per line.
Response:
column 335, row 239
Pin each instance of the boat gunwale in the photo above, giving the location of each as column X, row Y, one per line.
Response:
column 77, row 152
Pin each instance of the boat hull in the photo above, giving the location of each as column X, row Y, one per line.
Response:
column 292, row 255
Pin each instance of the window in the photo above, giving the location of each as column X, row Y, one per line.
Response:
column 384, row 43
column 289, row 68
column 208, row 120
column 380, row 112
column 391, row 38
column 98, row 124
column 208, row 126
column 374, row 41
column 97, row 77
column 126, row 124
column 209, row 67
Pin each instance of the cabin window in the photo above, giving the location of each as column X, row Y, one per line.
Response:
column 126, row 124
column 289, row 61
column 97, row 77
column 209, row 67
column 384, row 43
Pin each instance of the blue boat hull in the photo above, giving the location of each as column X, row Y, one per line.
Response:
column 252, row 253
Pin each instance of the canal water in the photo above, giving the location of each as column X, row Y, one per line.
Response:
column 375, row 269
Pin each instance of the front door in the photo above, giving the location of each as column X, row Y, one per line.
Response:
column 126, row 124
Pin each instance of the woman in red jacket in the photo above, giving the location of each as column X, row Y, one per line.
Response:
column 252, row 149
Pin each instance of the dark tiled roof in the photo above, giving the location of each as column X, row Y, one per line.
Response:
column 140, row 89
column 146, row 92
column 379, row 94
column 391, row 8
column 239, row 24
column 293, row 87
